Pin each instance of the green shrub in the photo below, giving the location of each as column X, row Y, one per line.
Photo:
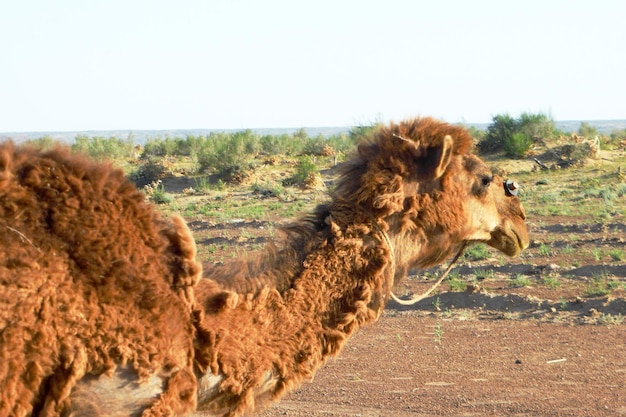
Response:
column 587, row 130
column 519, row 280
column 304, row 169
column 477, row 252
column 159, row 196
column 228, row 154
column 148, row 171
column 100, row 148
column 516, row 136
column 518, row 144
column 44, row 143
column 501, row 129
column 537, row 126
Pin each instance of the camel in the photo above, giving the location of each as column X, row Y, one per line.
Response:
column 248, row 331
column 92, row 280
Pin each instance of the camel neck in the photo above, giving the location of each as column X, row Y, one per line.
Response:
column 276, row 338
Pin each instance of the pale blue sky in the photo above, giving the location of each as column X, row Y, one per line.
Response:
column 235, row 64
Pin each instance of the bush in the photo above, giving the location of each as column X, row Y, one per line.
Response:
column 516, row 136
column 499, row 131
column 149, row 171
column 159, row 196
column 537, row 127
column 228, row 153
column 518, row 144
column 587, row 130
column 305, row 168
column 44, row 143
column 100, row 148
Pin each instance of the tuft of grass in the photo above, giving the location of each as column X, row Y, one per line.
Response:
column 597, row 254
column 455, row 283
column 519, row 280
column 551, row 282
column 438, row 333
column 600, row 286
column 544, row 250
column 159, row 196
column 477, row 252
column 609, row 319
column 617, row 255
column 202, row 185
column 481, row 274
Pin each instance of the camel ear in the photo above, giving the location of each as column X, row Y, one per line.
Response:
column 441, row 156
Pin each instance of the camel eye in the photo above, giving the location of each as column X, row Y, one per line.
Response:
column 486, row 180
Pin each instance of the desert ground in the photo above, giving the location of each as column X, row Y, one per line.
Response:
column 539, row 335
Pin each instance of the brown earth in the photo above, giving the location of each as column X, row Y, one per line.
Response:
column 553, row 345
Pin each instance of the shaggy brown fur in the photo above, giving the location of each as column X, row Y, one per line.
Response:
column 97, row 310
column 412, row 195
column 90, row 278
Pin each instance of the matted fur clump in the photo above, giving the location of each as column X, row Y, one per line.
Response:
column 91, row 277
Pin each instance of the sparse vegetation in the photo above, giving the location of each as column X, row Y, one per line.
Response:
column 617, row 255
column 455, row 282
column 516, row 136
column 609, row 319
column 544, row 250
column 519, row 280
column 477, row 252
column 600, row 286
column 245, row 177
column 438, row 333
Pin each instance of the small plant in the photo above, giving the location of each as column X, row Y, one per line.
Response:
column 617, row 255
column 159, row 196
column 567, row 250
column 551, row 282
column 563, row 304
column 598, row 287
column 519, row 280
column 438, row 333
column 477, row 252
column 437, row 304
column 481, row 274
column 612, row 285
column 608, row 319
column 455, row 283
column 544, row 250
column 202, row 185
column 597, row 254
column 305, row 168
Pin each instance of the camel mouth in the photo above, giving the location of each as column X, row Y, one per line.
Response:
column 509, row 240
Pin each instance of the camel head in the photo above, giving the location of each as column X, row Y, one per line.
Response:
column 420, row 179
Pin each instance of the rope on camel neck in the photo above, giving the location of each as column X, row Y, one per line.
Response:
column 418, row 298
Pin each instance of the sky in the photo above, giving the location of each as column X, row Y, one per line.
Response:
column 75, row 65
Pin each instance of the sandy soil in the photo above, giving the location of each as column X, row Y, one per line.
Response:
column 411, row 364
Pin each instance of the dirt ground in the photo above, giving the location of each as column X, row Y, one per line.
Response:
column 416, row 364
